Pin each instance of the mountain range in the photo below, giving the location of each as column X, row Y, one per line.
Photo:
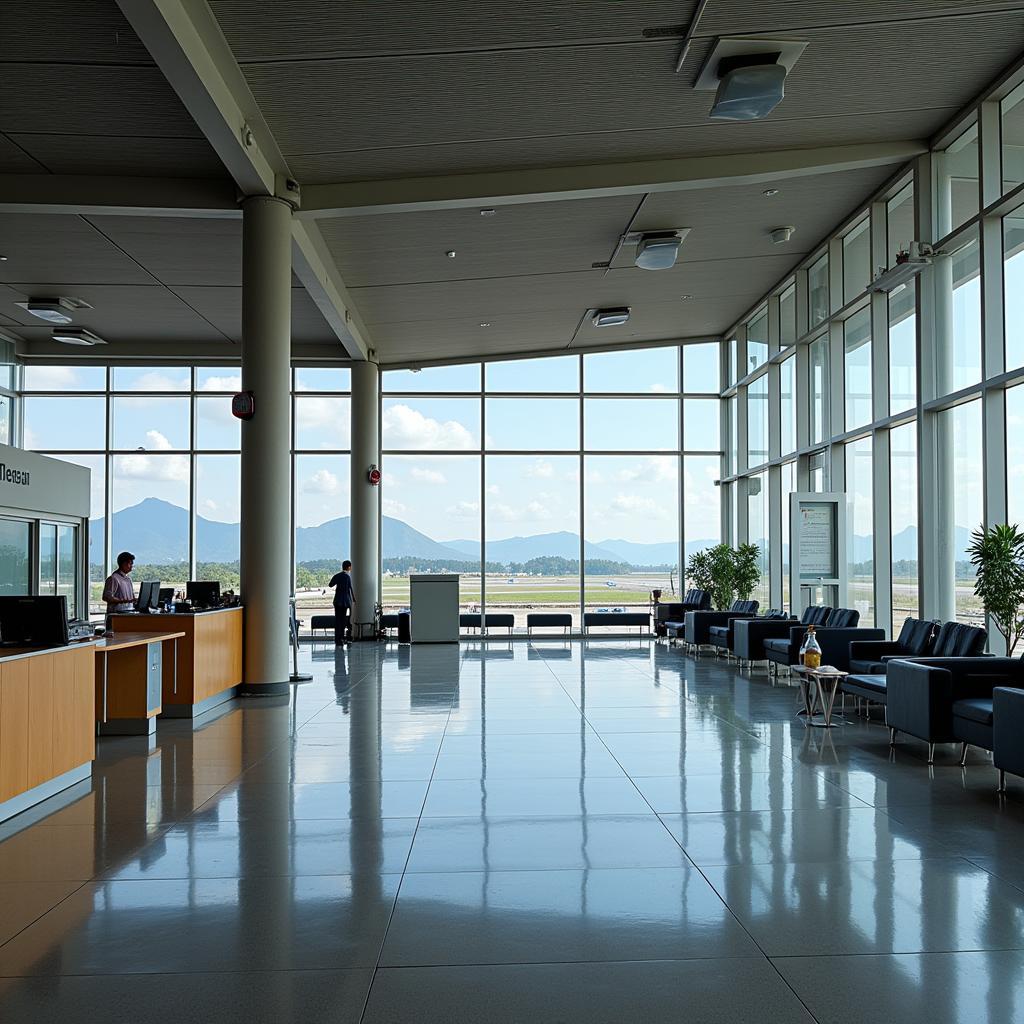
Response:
column 157, row 532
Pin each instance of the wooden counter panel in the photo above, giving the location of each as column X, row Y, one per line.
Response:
column 13, row 729
column 40, row 719
column 74, row 736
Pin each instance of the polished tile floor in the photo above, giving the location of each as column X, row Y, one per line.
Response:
column 556, row 831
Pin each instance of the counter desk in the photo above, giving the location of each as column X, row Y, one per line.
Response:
column 47, row 723
column 208, row 659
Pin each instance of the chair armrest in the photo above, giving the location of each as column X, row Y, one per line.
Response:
column 919, row 700
column 1008, row 729
column 751, row 634
column 874, row 650
column 835, row 643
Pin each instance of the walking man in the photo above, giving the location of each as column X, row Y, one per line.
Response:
column 344, row 603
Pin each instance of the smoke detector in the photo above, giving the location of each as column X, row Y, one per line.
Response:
column 54, row 311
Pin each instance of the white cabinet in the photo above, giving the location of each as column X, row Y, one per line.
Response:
column 434, row 604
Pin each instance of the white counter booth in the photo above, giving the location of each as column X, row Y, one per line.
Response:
column 44, row 528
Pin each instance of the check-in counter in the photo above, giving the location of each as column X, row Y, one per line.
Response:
column 207, row 668
column 47, row 723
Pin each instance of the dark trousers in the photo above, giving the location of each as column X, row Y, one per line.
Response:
column 342, row 623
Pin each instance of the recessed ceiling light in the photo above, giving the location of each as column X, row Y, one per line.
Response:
column 76, row 336
column 450, row 254
column 488, row 212
column 3, row 259
column 685, row 297
column 769, row 192
column 484, row 323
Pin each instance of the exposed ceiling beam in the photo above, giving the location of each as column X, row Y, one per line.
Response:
column 186, row 42
column 555, row 184
column 135, row 197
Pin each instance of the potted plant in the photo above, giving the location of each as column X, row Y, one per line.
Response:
column 700, row 571
column 746, row 572
column 997, row 554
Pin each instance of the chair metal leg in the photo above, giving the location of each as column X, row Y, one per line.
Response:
column 931, row 753
column 963, row 754
column 1002, row 781
column 892, row 737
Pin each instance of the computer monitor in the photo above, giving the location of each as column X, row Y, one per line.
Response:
column 166, row 596
column 203, row 593
column 149, row 596
column 34, row 621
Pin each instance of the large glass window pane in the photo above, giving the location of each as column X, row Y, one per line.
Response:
column 422, row 424
column 818, row 358
column 957, row 181
column 150, row 494
column 219, row 378
column 464, row 377
column 215, row 426
column 733, row 360
column 734, row 438
column 788, row 488
column 151, row 378
column 322, row 422
column 631, row 529
column 903, row 348
column 966, row 316
column 700, row 424
column 323, row 378
column 432, row 515
column 55, row 423
column 701, row 369
column 757, row 342
column 900, row 223
column 218, row 514
column 962, row 475
column 322, row 504
column 856, row 260
column 631, row 424
column 787, row 317
column 787, row 405
column 67, row 567
column 532, row 509
column 151, row 424
column 554, row 373
column 757, row 532
column 857, row 357
column 6, row 425
column 15, row 557
column 903, row 522
column 64, row 378
column 98, row 571
column 1013, row 139
column 860, row 533
column 1013, row 290
column 817, row 292
column 757, row 422
column 702, row 518
column 640, row 370
column 533, row 424
column 48, row 559
column 1015, row 455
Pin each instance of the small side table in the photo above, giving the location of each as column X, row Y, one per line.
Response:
column 818, row 688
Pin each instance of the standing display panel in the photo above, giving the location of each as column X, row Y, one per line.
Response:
column 817, row 551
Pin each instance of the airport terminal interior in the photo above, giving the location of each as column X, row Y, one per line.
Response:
column 659, row 368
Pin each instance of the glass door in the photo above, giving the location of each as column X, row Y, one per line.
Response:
column 47, row 559
column 15, row 557
column 67, row 566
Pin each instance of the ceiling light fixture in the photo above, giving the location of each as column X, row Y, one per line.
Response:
column 54, row 310
column 612, row 317
column 450, row 254
column 748, row 76
column 488, row 212
column 3, row 259
column 76, row 336
column 780, row 235
column 685, row 297
column 769, row 192
column 485, row 323
column 656, row 250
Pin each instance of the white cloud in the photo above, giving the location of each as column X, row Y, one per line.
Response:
column 464, row 510
column 210, row 505
column 323, row 481
column 427, row 476
column 541, row 470
column 157, row 442
column 627, row 505
column 493, row 489
column 54, row 378
column 154, row 381
column 313, row 414
column 535, row 510
column 390, row 507
column 658, row 389
column 407, row 428
column 650, row 470
column 233, row 383
column 149, row 467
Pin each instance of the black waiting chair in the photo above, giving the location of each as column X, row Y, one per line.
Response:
column 750, row 634
column 696, row 626
column 834, row 638
column 723, row 637
column 674, row 612
column 869, row 657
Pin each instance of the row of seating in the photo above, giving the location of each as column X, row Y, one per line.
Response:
column 506, row 620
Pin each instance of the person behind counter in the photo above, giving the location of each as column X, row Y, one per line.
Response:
column 118, row 591
column 344, row 602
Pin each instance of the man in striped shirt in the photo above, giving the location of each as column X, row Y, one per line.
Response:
column 118, row 591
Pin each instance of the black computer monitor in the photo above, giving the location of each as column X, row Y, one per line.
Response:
column 203, row 593
column 34, row 621
column 149, row 596
column 166, row 595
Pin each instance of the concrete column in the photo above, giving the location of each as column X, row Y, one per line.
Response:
column 365, row 521
column 266, row 570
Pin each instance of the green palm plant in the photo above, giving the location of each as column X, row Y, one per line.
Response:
column 746, row 570
column 997, row 554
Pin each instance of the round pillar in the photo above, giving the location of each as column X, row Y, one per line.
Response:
column 365, row 519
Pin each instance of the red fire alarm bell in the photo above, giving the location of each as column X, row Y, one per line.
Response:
column 243, row 405
column 373, row 476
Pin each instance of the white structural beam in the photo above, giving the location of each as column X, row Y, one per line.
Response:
column 554, row 184
column 134, row 197
column 186, row 42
